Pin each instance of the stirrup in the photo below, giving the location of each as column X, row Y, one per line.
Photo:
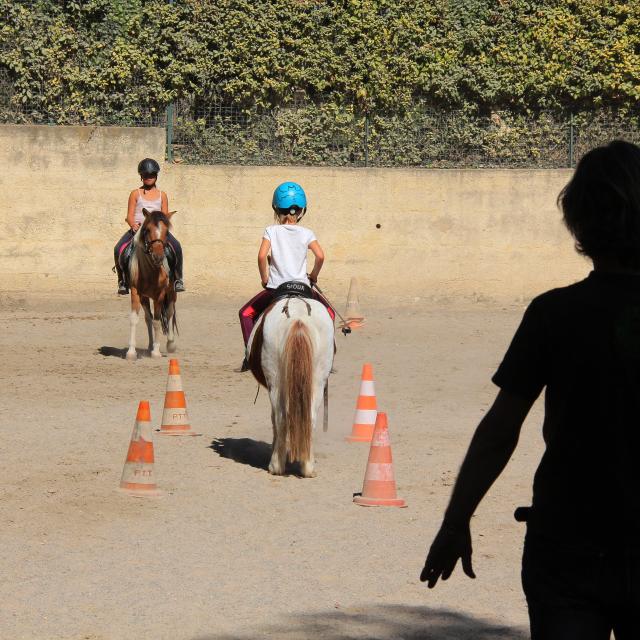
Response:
column 178, row 286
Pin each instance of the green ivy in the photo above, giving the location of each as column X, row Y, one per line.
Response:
column 374, row 55
column 306, row 73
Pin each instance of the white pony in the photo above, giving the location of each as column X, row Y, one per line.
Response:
column 291, row 352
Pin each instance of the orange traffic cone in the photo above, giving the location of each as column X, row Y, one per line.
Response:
column 175, row 421
column 379, row 488
column 366, row 409
column 355, row 317
column 137, row 475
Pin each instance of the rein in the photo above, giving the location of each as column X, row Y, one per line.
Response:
column 149, row 243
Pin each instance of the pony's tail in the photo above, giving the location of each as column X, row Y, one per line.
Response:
column 297, row 379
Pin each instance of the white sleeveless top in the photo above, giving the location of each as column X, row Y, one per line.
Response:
column 149, row 205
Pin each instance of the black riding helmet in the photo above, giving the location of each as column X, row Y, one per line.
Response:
column 148, row 166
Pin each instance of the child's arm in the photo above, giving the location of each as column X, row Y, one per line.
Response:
column 263, row 252
column 164, row 203
column 491, row 447
column 131, row 211
column 317, row 251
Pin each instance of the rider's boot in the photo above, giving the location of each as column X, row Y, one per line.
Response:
column 178, row 285
column 123, row 289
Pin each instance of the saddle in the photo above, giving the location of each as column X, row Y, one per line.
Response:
column 292, row 289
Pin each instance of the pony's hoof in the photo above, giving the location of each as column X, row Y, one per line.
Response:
column 308, row 473
column 132, row 356
column 274, row 469
column 155, row 354
column 171, row 347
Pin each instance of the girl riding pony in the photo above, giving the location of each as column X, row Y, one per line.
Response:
column 151, row 198
column 282, row 256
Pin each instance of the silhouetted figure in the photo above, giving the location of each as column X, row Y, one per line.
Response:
column 581, row 562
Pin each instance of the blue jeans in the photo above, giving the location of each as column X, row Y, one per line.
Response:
column 581, row 595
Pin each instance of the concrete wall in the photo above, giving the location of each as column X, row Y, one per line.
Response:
column 437, row 234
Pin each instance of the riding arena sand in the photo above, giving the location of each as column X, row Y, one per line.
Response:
column 230, row 552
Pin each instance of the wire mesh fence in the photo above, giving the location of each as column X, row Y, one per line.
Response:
column 210, row 130
column 310, row 134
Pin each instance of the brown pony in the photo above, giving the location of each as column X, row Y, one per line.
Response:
column 150, row 279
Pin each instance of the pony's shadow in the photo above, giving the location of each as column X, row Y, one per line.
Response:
column 253, row 453
column 114, row 352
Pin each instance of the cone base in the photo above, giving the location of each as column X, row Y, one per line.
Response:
column 141, row 493
column 379, row 502
column 359, row 438
column 176, row 432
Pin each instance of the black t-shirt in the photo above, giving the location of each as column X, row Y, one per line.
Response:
column 582, row 343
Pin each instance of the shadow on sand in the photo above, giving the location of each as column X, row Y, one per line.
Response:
column 385, row 622
column 121, row 353
column 253, row 453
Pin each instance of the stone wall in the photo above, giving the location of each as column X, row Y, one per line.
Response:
column 407, row 233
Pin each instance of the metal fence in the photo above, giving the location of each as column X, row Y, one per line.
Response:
column 208, row 130
column 323, row 135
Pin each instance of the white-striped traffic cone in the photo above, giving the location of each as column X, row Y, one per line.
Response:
column 175, row 420
column 137, row 475
column 379, row 489
column 366, row 408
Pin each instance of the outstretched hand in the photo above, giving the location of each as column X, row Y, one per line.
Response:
column 451, row 543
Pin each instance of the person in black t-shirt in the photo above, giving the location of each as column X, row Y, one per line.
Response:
column 581, row 561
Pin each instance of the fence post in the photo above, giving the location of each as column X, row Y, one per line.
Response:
column 169, row 129
column 571, row 141
column 366, row 140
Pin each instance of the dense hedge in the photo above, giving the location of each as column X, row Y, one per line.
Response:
column 370, row 54
column 387, row 82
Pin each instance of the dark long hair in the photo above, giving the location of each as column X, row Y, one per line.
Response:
column 601, row 203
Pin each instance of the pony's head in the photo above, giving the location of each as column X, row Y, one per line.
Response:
column 153, row 234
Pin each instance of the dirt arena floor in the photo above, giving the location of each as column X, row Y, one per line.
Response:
column 231, row 552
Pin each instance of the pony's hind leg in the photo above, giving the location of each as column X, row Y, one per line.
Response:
column 153, row 327
column 279, row 447
column 307, row 467
column 133, row 322
column 171, row 341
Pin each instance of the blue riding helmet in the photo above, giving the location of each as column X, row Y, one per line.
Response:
column 287, row 195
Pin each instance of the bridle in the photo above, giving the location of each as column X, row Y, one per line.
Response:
column 149, row 243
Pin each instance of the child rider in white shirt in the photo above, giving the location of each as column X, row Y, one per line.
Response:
column 287, row 243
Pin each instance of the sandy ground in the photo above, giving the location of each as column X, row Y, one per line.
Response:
column 231, row 552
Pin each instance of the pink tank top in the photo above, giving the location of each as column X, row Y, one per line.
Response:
column 150, row 205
